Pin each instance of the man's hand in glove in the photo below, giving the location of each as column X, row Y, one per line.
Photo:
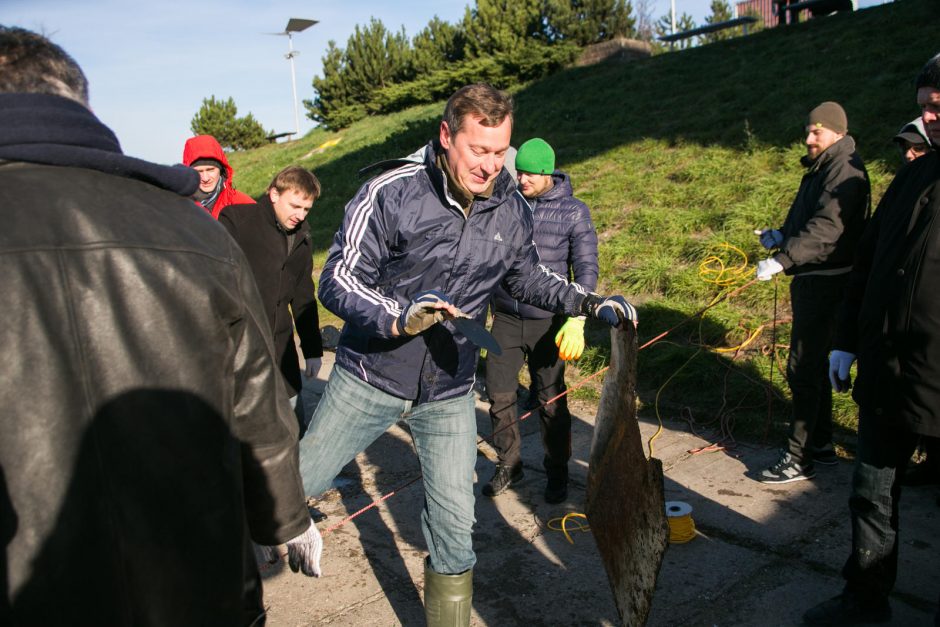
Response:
column 303, row 552
column 770, row 238
column 767, row 268
column 424, row 311
column 840, row 362
column 609, row 309
column 570, row 339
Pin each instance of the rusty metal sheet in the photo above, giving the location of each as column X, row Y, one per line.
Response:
column 625, row 502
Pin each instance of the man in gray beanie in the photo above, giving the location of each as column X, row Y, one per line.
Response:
column 816, row 245
column 888, row 321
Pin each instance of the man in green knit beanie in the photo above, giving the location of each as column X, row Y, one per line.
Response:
column 567, row 244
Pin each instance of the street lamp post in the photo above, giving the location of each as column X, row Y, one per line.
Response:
column 295, row 25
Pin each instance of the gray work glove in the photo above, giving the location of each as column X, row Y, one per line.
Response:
column 424, row 311
column 609, row 309
column 840, row 362
column 303, row 552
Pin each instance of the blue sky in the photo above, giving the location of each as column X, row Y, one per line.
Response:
column 151, row 64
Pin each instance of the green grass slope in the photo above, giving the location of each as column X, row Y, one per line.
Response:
column 680, row 156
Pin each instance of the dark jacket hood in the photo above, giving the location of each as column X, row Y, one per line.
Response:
column 52, row 130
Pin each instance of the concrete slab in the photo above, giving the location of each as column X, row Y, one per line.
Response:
column 764, row 554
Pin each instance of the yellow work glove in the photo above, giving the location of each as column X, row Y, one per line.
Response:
column 570, row 339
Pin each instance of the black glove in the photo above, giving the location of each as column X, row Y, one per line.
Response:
column 421, row 314
column 609, row 309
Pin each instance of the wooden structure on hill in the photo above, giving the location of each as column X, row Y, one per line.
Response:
column 618, row 49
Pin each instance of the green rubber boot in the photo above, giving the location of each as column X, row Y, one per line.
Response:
column 447, row 598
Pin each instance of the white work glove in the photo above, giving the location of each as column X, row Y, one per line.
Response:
column 767, row 268
column 313, row 367
column 424, row 311
column 840, row 362
column 609, row 309
column 770, row 238
column 303, row 552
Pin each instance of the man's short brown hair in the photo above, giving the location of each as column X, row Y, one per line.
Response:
column 296, row 178
column 477, row 100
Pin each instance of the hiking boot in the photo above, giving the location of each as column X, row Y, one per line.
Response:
column 846, row 609
column 825, row 456
column 502, row 479
column 787, row 470
column 556, row 491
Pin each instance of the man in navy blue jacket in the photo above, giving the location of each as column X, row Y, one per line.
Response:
column 567, row 244
column 420, row 245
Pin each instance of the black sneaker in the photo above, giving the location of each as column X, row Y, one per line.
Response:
column 787, row 470
column 825, row 456
column 502, row 479
column 845, row 609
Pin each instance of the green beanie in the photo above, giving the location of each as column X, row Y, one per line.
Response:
column 535, row 157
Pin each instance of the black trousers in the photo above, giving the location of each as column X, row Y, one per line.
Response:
column 884, row 449
column 531, row 341
column 815, row 301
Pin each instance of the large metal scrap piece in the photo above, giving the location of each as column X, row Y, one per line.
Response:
column 625, row 503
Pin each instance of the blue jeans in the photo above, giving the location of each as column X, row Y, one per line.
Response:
column 352, row 414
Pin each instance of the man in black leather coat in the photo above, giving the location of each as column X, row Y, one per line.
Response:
column 146, row 436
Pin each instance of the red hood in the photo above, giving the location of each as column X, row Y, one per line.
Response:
column 206, row 147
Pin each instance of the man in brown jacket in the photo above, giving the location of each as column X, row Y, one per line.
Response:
column 816, row 245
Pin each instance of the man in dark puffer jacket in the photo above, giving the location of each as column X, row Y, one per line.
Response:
column 567, row 244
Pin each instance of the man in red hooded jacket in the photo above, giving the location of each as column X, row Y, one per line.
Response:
column 216, row 189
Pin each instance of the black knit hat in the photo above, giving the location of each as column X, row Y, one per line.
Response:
column 208, row 161
column 830, row 115
column 930, row 74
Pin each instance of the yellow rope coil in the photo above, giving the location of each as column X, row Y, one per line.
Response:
column 681, row 525
column 681, row 529
column 717, row 270
column 561, row 524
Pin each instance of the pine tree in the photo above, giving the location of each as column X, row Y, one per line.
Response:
column 373, row 59
column 721, row 12
column 684, row 22
column 496, row 26
column 586, row 22
column 332, row 92
column 219, row 118
column 436, row 46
